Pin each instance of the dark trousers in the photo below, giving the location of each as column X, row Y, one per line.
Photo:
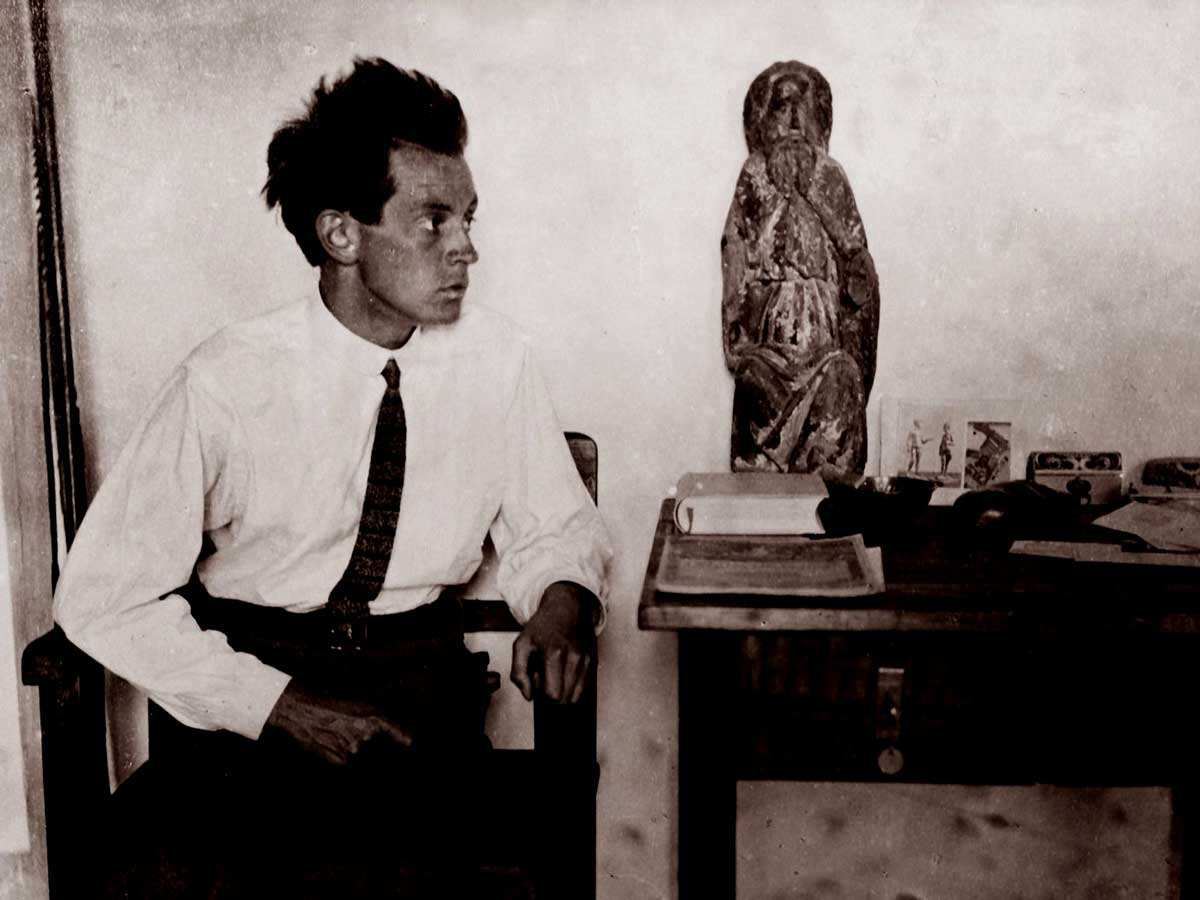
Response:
column 214, row 814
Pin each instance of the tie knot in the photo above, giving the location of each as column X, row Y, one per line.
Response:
column 391, row 374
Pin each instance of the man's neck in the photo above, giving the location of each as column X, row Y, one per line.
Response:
column 349, row 301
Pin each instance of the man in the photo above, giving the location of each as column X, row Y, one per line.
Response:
column 345, row 457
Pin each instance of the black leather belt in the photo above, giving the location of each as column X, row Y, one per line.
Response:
column 437, row 622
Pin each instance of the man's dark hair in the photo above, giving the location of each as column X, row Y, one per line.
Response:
column 338, row 154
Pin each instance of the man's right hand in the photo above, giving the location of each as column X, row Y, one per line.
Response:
column 334, row 729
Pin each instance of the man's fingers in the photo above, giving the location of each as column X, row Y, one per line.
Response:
column 331, row 755
column 570, row 674
column 575, row 672
column 554, row 671
column 334, row 729
column 348, row 738
column 558, row 674
column 581, row 676
column 335, row 747
column 520, row 667
column 392, row 730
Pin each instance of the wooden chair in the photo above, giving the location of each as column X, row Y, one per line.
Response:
column 75, row 770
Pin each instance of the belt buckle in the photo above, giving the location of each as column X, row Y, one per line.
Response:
column 348, row 635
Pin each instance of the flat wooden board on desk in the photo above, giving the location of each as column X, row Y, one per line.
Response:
column 779, row 566
column 1106, row 553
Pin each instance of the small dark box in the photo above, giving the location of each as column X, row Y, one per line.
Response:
column 1093, row 476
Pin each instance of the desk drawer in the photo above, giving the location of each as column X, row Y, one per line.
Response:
column 973, row 708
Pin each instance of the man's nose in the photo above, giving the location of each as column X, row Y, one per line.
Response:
column 461, row 248
column 797, row 116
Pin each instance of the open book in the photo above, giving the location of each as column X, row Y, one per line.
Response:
column 748, row 503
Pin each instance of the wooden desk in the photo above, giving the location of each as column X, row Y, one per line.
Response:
column 997, row 669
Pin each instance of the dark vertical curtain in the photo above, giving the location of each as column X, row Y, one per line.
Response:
column 60, row 411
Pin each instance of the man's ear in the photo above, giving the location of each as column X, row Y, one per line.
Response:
column 340, row 235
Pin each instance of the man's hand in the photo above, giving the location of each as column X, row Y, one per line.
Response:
column 554, row 651
column 333, row 729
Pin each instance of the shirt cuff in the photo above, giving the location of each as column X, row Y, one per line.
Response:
column 262, row 689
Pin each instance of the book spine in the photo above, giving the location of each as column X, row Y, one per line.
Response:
column 748, row 514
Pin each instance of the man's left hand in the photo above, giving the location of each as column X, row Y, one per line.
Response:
column 553, row 653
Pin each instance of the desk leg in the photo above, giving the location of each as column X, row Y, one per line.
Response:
column 1185, row 840
column 707, row 779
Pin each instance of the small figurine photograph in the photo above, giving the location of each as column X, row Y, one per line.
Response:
column 945, row 449
column 988, row 453
column 928, row 443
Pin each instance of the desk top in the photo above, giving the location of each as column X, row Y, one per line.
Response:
column 932, row 588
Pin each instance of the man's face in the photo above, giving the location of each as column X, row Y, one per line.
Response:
column 790, row 114
column 414, row 262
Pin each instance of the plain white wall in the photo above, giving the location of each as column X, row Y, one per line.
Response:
column 1026, row 173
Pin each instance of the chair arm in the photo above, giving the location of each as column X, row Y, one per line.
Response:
column 53, row 661
column 488, row 615
column 71, row 690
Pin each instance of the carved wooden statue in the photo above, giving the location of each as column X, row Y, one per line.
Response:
column 801, row 298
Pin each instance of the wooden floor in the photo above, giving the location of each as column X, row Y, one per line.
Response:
column 921, row 842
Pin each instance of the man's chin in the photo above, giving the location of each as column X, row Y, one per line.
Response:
column 445, row 312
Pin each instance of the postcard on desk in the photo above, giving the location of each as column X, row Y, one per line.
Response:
column 958, row 445
column 769, row 564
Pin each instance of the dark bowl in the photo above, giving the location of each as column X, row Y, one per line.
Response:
column 877, row 508
column 915, row 490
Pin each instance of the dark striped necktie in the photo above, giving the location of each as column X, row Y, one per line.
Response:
column 363, row 578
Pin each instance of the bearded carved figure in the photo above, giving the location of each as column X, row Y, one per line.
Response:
column 800, row 305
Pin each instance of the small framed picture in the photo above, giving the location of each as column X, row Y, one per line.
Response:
column 957, row 444
column 927, row 443
column 988, row 456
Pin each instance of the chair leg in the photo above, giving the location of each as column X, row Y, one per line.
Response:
column 76, row 780
column 565, row 741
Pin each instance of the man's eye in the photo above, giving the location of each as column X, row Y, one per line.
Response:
column 432, row 224
column 468, row 222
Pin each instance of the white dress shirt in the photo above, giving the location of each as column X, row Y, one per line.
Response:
column 262, row 439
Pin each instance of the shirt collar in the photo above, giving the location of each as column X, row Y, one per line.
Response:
column 334, row 339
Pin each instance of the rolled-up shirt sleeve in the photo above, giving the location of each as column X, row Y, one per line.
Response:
column 138, row 544
column 548, row 528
